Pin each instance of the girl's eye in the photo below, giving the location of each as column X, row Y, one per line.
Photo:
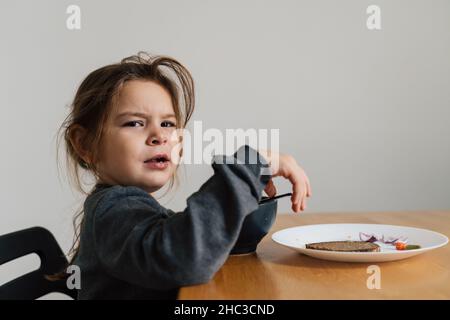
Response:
column 163, row 124
column 168, row 124
column 132, row 123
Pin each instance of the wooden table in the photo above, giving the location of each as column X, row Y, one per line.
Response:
column 277, row 272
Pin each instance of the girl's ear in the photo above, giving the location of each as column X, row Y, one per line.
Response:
column 78, row 136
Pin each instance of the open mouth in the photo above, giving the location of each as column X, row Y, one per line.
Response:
column 158, row 159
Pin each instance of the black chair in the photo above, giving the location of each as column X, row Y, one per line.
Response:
column 33, row 285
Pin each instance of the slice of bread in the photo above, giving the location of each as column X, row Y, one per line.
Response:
column 345, row 246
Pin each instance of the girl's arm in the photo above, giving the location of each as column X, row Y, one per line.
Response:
column 140, row 242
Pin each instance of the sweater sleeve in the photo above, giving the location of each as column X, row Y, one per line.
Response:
column 137, row 243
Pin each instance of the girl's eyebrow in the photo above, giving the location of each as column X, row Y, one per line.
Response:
column 143, row 115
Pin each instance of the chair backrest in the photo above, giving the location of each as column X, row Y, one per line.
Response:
column 33, row 285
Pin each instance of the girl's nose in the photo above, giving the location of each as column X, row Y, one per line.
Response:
column 157, row 137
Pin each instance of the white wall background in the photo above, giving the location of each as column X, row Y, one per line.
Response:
column 365, row 113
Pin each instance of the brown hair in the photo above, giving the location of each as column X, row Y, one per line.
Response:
column 93, row 102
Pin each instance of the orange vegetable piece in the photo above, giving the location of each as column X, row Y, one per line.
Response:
column 400, row 246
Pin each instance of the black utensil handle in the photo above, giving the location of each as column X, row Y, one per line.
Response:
column 276, row 197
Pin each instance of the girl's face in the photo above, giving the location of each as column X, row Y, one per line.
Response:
column 130, row 138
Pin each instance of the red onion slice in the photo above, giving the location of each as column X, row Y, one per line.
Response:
column 373, row 238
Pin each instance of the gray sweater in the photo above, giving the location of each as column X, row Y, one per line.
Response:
column 133, row 248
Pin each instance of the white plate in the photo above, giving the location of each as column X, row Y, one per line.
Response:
column 297, row 237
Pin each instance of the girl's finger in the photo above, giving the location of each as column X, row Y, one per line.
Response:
column 296, row 207
column 304, row 204
column 296, row 191
column 308, row 184
column 303, row 198
column 301, row 193
column 304, row 190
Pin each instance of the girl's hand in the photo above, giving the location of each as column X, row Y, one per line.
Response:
column 284, row 165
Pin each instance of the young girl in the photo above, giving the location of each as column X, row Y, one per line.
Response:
column 127, row 245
